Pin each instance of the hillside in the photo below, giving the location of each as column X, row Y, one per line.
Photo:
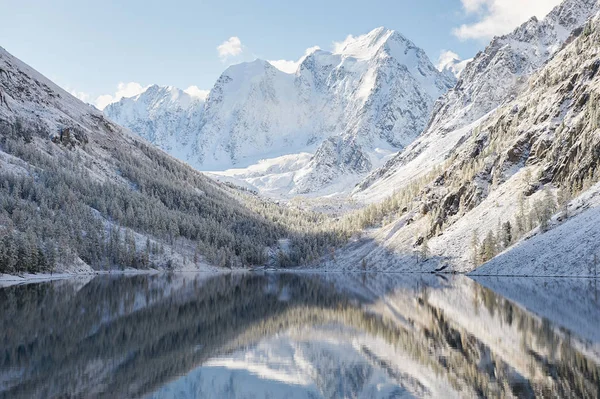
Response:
column 498, row 179
column 79, row 192
column 493, row 78
column 510, row 177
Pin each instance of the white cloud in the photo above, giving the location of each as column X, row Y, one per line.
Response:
column 103, row 100
column 338, row 47
column 311, row 50
column 472, row 6
column 83, row 96
column 230, row 48
column 446, row 58
column 288, row 66
column 498, row 17
column 195, row 91
column 130, row 89
column 451, row 62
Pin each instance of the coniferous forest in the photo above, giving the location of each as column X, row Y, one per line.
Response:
column 56, row 210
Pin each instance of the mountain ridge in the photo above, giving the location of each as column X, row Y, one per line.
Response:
column 495, row 76
column 375, row 91
column 514, row 193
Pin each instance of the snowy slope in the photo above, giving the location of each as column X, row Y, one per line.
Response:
column 28, row 95
column 369, row 98
column 543, row 140
column 494, row 77
column 166, row 116
column 112, row 183
column 571, row 248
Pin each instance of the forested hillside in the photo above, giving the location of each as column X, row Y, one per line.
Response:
column 77, row 190
column 529, row 167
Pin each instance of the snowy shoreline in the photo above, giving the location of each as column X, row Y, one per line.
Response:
column 7, row 280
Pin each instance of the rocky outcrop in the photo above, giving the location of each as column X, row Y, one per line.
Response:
column 335, row 157
column 495, row 77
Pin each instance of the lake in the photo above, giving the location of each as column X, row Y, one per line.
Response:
column 285, row 335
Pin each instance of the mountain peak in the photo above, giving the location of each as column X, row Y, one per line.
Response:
column 246, row 70
column 152, row 89
column 154, row 92
column 366, row 46
column 376, row 89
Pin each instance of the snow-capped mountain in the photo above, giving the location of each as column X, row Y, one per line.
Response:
column 375, row 92
column 453, row 65
column 495, row 76
column 166, row 116
column 110, row 180
column 518, row 188
column 498, row 73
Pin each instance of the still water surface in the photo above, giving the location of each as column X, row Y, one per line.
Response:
column 300, row 336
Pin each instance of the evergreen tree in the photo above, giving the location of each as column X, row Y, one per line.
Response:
column 425, row 252
column 546, row 209
column 563, row 198
column 475, row 248
column 521, row 218
column 489, row 246
column 507, row 237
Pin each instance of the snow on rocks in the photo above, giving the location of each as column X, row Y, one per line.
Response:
column 375, row 92
column 493, row 78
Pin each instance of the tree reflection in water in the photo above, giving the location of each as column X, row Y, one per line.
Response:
column 299, row 335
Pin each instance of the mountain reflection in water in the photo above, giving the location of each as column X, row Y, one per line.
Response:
column 300, row 336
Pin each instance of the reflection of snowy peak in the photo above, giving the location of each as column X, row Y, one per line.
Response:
column 314, row 362
column 376, row 90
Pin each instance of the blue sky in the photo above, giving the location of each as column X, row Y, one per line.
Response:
column 90, row 47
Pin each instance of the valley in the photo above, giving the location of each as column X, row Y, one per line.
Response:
column 358, row 222
column 366, row 158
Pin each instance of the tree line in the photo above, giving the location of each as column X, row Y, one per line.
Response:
column 56, row 210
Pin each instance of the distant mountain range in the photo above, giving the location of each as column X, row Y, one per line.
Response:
column 349, row 109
